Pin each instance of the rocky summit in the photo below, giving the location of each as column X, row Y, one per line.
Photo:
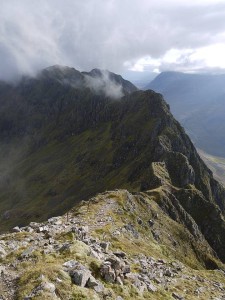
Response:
column 159, row 230
column 117, row 245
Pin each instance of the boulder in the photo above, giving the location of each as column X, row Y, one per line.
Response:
column 80, row 275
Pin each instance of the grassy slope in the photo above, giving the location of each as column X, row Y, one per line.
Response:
column 58, row 175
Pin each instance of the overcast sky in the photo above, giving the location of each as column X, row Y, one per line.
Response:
column 119, row 35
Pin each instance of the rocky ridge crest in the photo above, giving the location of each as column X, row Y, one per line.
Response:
column 118, row 246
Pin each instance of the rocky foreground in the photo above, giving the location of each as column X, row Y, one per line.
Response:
column 116, row 246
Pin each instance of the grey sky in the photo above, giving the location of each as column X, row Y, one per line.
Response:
column 112, row 34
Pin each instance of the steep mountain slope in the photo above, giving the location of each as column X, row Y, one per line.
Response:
column 118, row 245
column 198, row 102
column 61, row 144
column 216, row 164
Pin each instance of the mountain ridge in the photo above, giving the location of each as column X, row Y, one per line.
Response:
column 73, row 143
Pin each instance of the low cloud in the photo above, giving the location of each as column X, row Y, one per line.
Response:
column 104, row 84
column 104, row 34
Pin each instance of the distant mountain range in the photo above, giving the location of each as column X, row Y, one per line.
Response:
column 198, row 102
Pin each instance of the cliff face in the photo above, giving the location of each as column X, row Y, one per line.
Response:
column 72, row 143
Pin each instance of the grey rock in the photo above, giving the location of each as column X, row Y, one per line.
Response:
column 178, row 266
column 29, row 229
column 177, row 297
column 120, row 254
column 110, row 276
column 132, row 277
column 119, row 280
column 2, row 269
column 96, row 254
column 65, row 247
column 126, row 269
column 3, row 253
column 55, row 220
column 151, row 287
column 105, row 246
column 116, row 232
column 156, row 235
column 34, row 225
column 157, row 280
column 116, row 263
column 48, row 286
column 95, row 284
column 168, row 273
column 16, row 229
column 81, row 232
column 27, row 253
column 140, row 286
column 130, row 228
column 144, row 263
column 151, row 223
column 70, row 264
column 51, row 241
column 199, row 290
column 43, row 229
column 107, row 272
column 161, row 261
column 120, row 211
column 45, row 288
column 139, row 220
column 80, row 275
